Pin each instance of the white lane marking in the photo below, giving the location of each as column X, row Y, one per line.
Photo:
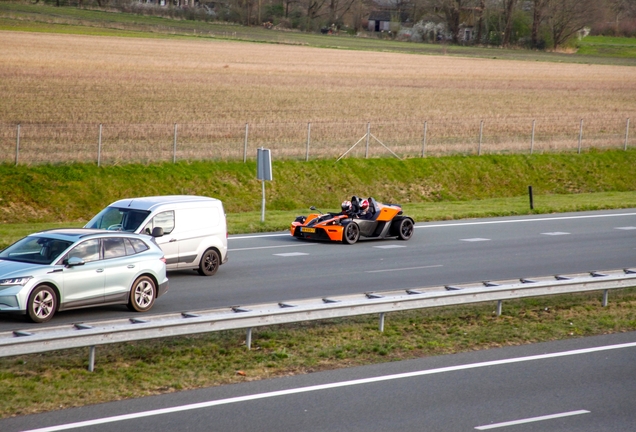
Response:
column 259, row 236
column 389, row 246
column 626, row 228
column 272, row 247
column 477, row 239
column 532, row 419
column 405, row 268
column 557, row 233
column 291, row 254
column 207, row 404
column 524, row 220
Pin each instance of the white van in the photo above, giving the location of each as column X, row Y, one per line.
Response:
column 191, row 230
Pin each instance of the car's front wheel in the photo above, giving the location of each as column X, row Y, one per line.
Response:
column 142, row 294
column 42, row 304
column 405, row 229
column 351, row 233
column 210, row 262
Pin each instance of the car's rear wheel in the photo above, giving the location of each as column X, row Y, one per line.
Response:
column 42, row 304
column 405, row 229
column 142, row 294
column 351, row 233
column 210, row 262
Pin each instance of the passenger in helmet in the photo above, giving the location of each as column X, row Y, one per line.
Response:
column 364, row 210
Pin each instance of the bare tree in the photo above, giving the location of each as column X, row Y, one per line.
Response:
column 538, row 15
column 567, row 17
column 508, row 9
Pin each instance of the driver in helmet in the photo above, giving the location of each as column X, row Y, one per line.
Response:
column 346, row 207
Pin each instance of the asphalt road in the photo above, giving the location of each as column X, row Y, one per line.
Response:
column 277, row 267
column 583, row 385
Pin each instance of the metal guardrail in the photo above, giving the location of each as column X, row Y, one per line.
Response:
column 91, row 334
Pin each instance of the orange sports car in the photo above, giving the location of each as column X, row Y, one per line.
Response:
column 359, row 218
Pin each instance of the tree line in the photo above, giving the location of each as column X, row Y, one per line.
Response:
column 535, row 24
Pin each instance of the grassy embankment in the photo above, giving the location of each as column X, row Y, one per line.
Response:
column 453, row 187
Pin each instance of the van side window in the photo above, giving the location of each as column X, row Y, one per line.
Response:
column 114, row 247
column 164, row 220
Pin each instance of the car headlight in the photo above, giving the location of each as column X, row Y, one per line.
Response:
column 15, row 281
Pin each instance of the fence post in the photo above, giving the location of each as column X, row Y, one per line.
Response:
column 424, row 139
column 366, row 152
column 532, row 138
column 626, row 133
column 99, row 146
column 481, row 132
column 308, row 139
column 17, row 146
column 580, row 135
column 245, row 146
column 174, row 147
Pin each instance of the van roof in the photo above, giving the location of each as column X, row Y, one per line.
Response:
column 149, row 203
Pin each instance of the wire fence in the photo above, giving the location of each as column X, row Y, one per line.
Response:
column 110, row 144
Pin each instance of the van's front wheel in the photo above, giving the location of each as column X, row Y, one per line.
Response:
column 210, row 262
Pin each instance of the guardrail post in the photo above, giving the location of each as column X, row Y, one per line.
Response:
column 499, row 307
column 248, row 338
column 308, row 140
column 99, row 146
column 382, row 322
column 91, row 358
column 626, row 133
column 424, row 139
column 605, row 297
column 17, row 146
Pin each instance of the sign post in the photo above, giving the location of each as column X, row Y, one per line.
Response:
column 263, row 172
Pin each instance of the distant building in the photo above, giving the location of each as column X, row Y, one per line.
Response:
column 386, row 20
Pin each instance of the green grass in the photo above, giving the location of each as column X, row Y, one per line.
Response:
column 22, row 16
column 454, row 187
column 56, row 380
column 606, row 46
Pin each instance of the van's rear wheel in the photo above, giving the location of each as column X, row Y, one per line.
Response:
column 210, row 262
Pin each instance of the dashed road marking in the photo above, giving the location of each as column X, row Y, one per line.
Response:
column 476, row 239
column 389, row 246
column 557, row 233
column 291, row 254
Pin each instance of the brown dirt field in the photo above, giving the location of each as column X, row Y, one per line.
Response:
column 52, row 78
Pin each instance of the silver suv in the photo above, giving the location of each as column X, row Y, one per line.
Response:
column 65, row 269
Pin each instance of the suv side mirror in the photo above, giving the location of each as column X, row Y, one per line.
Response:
column 74, row 261
column 157, row 232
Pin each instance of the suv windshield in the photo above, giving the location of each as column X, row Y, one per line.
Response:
column 118, row 219
column 36, row 250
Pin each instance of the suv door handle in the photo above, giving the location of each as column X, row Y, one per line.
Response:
column 99, row 270
column 172, row 240
column 131, row 266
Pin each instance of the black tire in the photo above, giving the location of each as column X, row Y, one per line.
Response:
column 405, row 231
column 42, row 304
column 351, row 233
column 210, row 262
column 142, row 294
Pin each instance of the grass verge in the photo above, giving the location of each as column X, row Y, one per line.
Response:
column 57, row 380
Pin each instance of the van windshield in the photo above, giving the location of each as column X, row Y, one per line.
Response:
column 118, row 219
